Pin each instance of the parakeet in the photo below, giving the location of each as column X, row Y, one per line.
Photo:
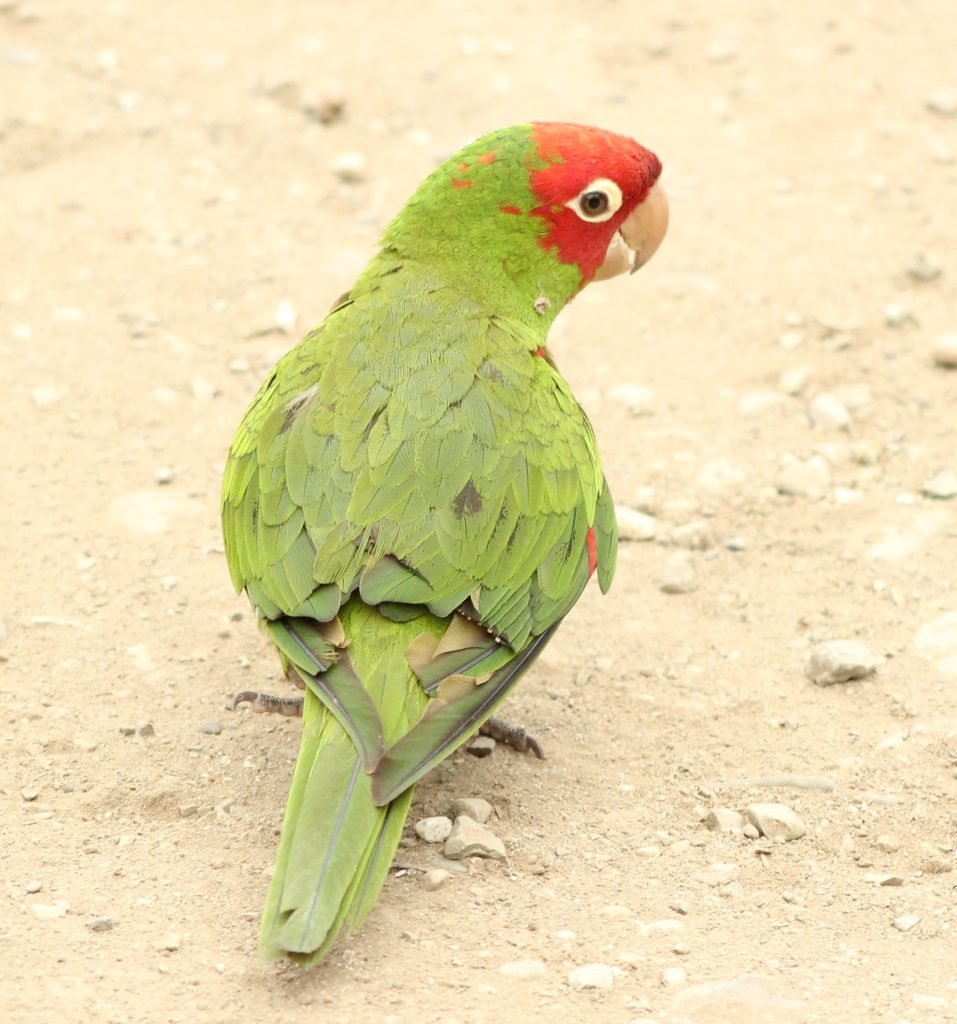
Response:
column 414, row 500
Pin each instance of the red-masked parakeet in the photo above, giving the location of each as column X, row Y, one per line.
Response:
column 414, row 499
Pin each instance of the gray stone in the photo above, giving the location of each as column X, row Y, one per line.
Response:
column 433, row 830
column 591, row 976
column 839, row 661
column 470, row 839
column 678, row 574
column 942, row 102
column 945, row 350
column 634, row 525
column 527, row 969
column 828, row 412
column 803, row 479
column 481, row 746
column 472, row 807
column 724, row 819
column 776, row 821
column 717, row 874
column 435, row 878
column 942, row 486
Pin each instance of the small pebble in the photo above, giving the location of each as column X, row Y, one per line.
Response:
column 680, row 907
column 101, row 924
column 433, row 830
column 717, row 874
column 470, row 839
column 350, row 167
column 164, row 475
column 591, row 976
column 285, row 315
column 51, row 911
column 695, row 536
column 924, row 268
column 943, row 486
column 881, row 879
column 793, row 382
column 33, row 887
column 776, row 821
column 750, row 831
column 724, row 819
column 523, row 969
column 898, row 315
column 211, row 728
column 169, row 943
column 828, row 412
column 146, row 729
column 29, row 795
column 838, row 661
column 943, row 102
column 672, row 976
column 887, row 843
column 803, row 479
column 760, row 402
column 634, row 525
column 472, row 807
column 44, row 397
column 638, row 400
column 928, row 1002
column 435, row 878
column 945, row 350
column 481, row 746
column 678, row 574
column 906, row 922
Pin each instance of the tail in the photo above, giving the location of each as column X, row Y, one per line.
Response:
column 337, row 845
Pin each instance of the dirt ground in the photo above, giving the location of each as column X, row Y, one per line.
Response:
column 185, row 189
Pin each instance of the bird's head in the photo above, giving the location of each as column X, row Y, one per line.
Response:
column 535, row 212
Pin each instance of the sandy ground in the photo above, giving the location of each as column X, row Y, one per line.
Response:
column 173, row 219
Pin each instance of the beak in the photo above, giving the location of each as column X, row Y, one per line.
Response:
column 639, row 236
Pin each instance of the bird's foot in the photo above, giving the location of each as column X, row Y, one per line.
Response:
column 513, row 736
column 290, row 707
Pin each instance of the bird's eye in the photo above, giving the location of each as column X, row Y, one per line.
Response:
column 598, row 201
column 593, row 204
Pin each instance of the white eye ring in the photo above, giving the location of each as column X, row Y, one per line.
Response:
column 598, row 201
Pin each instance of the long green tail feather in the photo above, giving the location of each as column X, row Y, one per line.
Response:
column 337, row 845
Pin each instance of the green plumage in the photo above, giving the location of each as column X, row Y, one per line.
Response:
column 413, row 454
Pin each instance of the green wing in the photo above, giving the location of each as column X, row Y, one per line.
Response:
column 414, row 454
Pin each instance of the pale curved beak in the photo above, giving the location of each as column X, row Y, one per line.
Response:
column 639, row 236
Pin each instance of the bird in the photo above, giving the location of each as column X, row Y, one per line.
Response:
column 414, row 499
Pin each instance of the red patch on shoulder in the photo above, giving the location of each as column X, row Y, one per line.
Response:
column 569, row 157
column 487, row 158
column 511, row 209
column 592, row 550
column 463, row 166
column 540, row 352
column 459, row 183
